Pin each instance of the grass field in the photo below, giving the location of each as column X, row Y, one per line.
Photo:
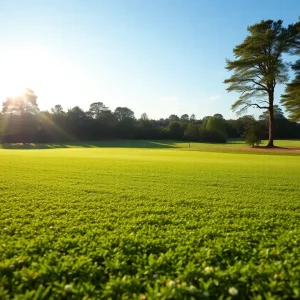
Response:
column 132, row 223
column 230, row 145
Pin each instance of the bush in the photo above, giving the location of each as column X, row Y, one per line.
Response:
column 253, row 134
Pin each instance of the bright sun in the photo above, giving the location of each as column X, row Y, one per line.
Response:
column 14, row 90
column 45, row 69
column 24, row 66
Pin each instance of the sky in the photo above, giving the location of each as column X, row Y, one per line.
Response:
column 161, row 57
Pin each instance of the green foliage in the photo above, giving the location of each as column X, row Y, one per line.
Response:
column 57, row 110
column 185, row 118
column 123, row 113
column 126, row 128
column 291, row 98
column 19, row 124
column 97, row 110
column 278, row 114
column 253, row 133
column 176, row 130
column 122, row 223
column 191, row 132
column 173, row 118
column 215, row 130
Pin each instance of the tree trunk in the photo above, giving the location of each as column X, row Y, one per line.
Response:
column 271, row 120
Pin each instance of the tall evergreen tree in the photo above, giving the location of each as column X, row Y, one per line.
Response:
column 291, row 98
column 258, row 67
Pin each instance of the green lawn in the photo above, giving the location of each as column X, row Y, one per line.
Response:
column 133, row 223
column 231, row 144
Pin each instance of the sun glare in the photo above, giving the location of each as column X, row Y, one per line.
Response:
column 24, row 66
column 14, row 91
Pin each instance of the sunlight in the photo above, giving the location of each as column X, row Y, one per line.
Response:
column 24, row 66
column 13, row 90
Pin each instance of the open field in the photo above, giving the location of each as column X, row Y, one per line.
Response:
column 132, row 223
column 233, row 144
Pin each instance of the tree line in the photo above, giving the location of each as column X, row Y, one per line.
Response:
column 22, row 122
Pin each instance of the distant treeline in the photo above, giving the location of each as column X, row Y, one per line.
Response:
column 22, row 122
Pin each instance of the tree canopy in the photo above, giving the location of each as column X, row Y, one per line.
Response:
column 123, row 113
column 22, row 104
column 291, row 98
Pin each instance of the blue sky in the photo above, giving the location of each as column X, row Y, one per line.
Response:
column 161, row 57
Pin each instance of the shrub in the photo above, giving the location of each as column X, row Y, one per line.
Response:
column 253, row 133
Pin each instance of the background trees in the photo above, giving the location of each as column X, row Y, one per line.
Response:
column 19, row 123
column 123, row 113
column 99, row 122
column 215, row 130
column 97, row 110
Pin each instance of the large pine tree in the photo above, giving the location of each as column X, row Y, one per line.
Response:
column 258, row 67
column 291, row 98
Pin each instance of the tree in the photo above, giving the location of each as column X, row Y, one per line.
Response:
column 96, row 110
column 204, row 120
column 22, row 104
column 175, row 130
column 57, row 110
column 108, row 117
column 291, row 98
column 144, row 117
column 192, row 118
column 77, row 114
column 278, row 114
column 123, row 113
column 253, row 133
column 21, row 124
column 258, row 67
column 184, row 118
column 173, row 118
column 216, row 130
column 218, row 116
column 241, row 124
column 191, row 133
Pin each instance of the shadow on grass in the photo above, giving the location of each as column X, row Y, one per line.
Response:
column 102, row 144
column 236, row 142
column 153, row 144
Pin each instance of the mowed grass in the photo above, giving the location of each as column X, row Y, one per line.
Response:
column 232, row 144
column 125, row 223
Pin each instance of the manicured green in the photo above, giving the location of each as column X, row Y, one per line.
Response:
column 231, row 144
column 128, row 223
